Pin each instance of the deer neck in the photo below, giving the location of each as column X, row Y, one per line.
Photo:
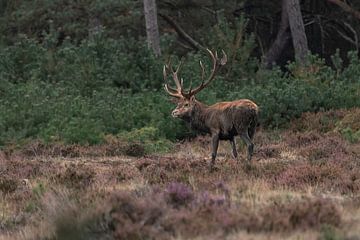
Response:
column 198, row 117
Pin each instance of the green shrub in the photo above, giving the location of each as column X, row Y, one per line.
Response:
column 284, row 97
column 38, row 191
column 74, row 19
column 328, row 232
column 350, row 135
column 349, row 126
column 79, row 93
column 149, row 137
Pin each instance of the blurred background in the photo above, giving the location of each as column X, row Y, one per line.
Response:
column 88, row 70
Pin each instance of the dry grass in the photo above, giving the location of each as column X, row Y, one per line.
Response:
column 301, row 185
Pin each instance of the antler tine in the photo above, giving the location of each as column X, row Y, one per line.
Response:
column 190, row 88
column 180, row 65
column 165, row 78
column 223, row 60
column 202, row 70
column 168, row 89
column 164, row 73
column 178, row 92
column 216, row 65
column 175, row 76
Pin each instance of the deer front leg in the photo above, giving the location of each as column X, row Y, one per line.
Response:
column 233, row 145
column 215, row 144
column 250, row 146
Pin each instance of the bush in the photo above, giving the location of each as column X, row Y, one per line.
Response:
column 306, row 174
column 79, row 93
column 73, row 19
column 329, row 232
column 75, row 177
column 8, row 185
column 148, row 137
column 201, row 213
column 349, row 126
column 351, row 135
column 308, row 213
column 178, row 194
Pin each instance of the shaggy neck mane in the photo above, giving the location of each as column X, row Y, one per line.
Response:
column 198, row 116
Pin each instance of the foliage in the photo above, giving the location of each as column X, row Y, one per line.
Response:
column 232, row 38
column 81, row 91
column 149, row 137
column 314, row 88
column 349, row 126
column 76, row 20
column 78, row 94
column 135, row 218
column 167, row 196
column 330, row 233
column 7, row 185
column 75, row 93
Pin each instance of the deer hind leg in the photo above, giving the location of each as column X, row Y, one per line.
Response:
column 250, row 146
column 251, row 129
column 233, row 145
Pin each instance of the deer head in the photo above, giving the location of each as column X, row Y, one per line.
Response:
column 186, row 99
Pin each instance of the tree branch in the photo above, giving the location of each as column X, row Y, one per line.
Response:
column 346, row 8
column 193, row 43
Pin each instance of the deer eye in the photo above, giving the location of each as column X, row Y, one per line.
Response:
column 186, row 105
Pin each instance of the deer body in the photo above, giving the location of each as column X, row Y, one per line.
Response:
column 223, row 120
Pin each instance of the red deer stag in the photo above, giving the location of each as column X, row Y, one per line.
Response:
column 223, row 120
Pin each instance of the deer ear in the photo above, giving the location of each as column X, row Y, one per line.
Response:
column 192, row 98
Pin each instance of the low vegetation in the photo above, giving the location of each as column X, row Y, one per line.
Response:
column 302, row 184
column 89, row 150
column 82, row 93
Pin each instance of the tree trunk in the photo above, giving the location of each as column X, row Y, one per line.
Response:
column 152, row 29
column 281, row 41
column 297, row 30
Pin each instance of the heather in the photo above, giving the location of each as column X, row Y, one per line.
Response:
column 89, row 149
column 301, row 183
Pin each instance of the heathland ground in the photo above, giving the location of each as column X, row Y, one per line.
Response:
column 303, row 183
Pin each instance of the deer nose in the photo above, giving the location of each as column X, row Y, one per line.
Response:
column 175, row 113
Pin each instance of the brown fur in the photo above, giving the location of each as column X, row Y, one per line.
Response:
column 223, row 121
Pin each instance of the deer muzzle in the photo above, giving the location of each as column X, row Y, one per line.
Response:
column 175, row 113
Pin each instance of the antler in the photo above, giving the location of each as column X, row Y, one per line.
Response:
column 217, row 63
column 179, row 91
